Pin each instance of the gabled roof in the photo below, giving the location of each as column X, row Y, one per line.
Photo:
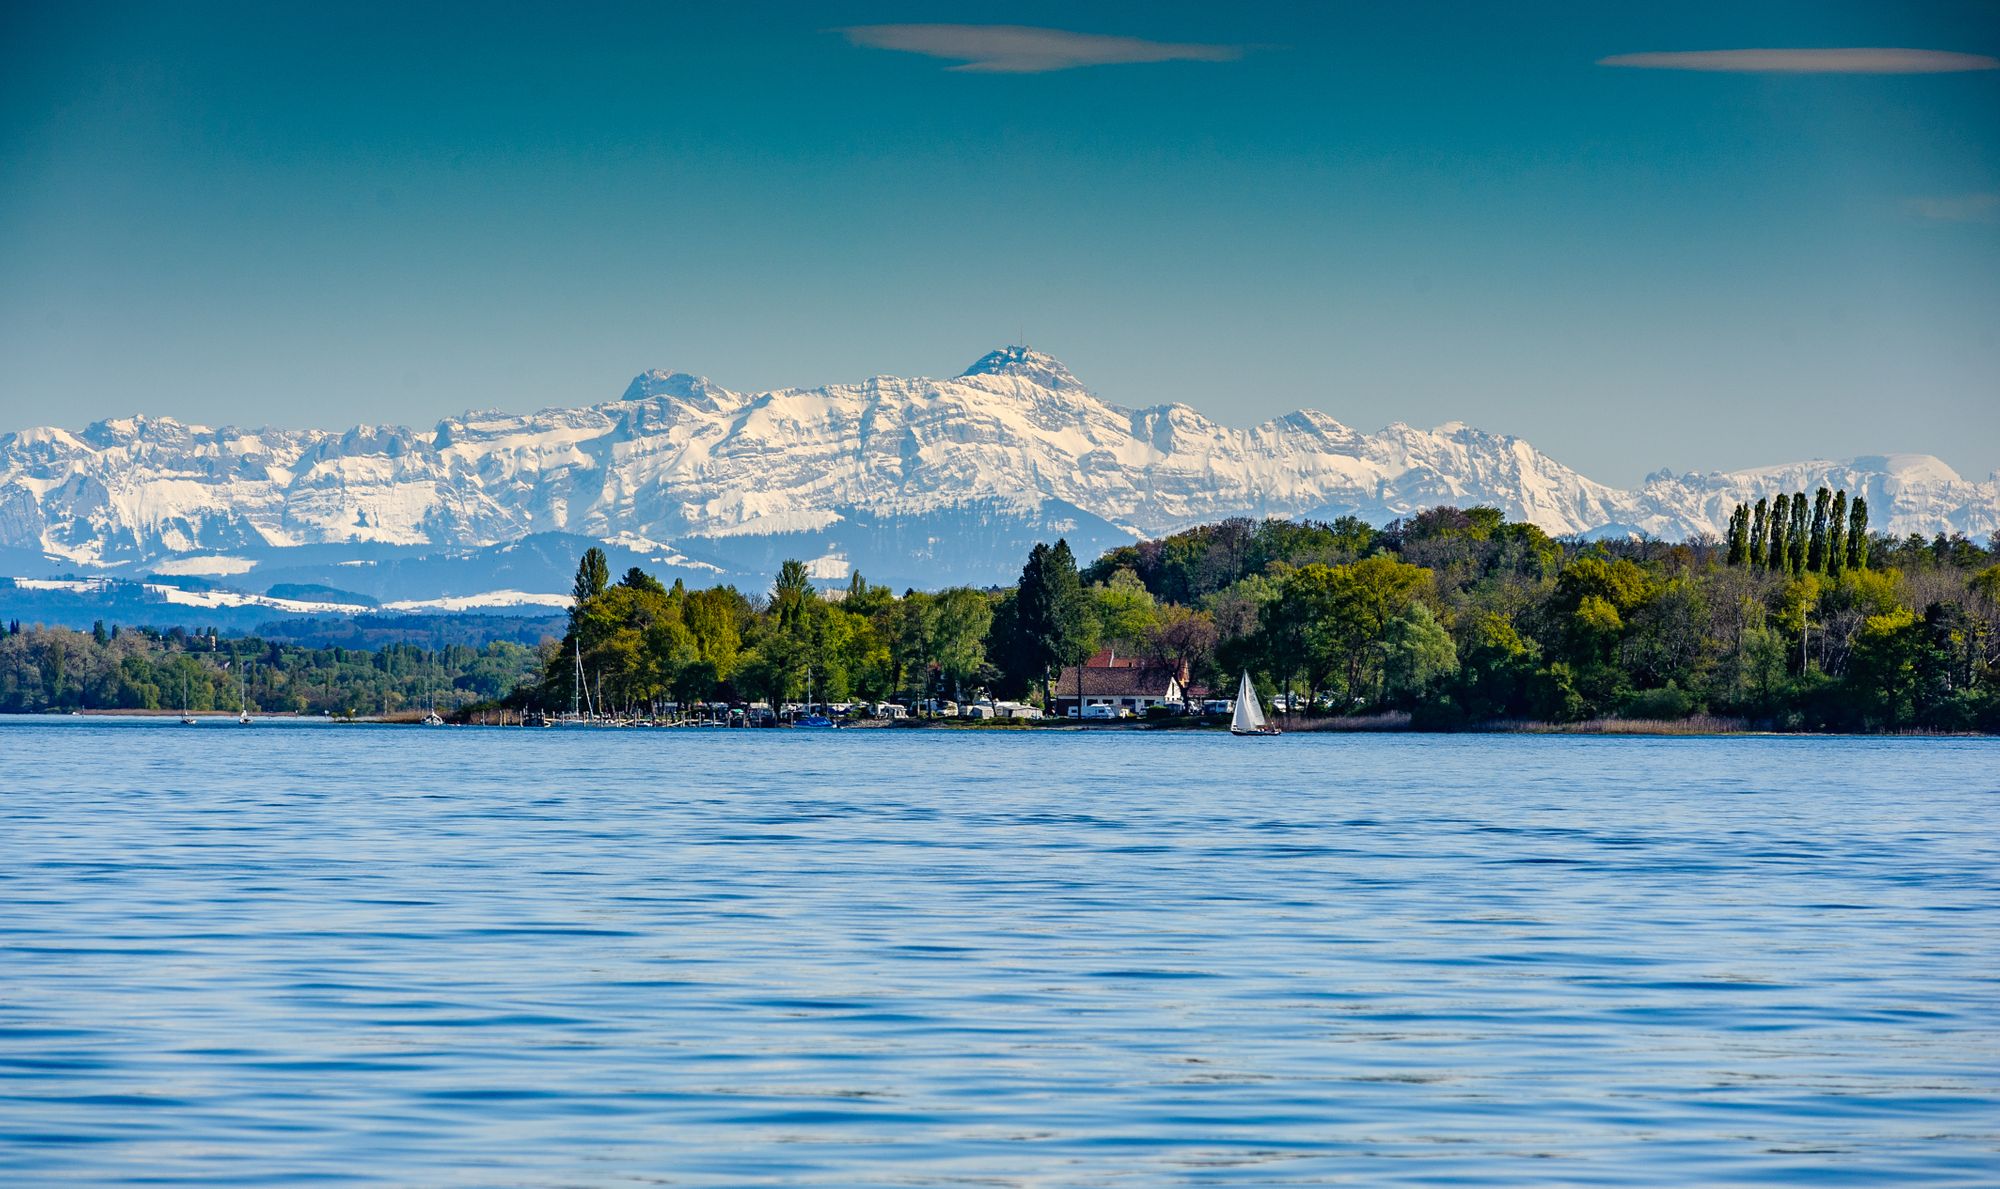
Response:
column 1149, row 682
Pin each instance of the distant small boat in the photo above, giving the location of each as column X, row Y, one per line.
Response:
column 812, row 720
column 432, row 719
column 1249, row 717
column 187, row 719
column 242, row 697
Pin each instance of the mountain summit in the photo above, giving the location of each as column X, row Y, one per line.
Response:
column 920, row 481
column 1026, row 363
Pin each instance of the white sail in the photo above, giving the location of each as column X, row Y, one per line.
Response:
column 1249, row 715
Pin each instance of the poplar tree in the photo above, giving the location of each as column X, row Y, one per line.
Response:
column 1795, row 535
column 593, row 574
column 1739, row 535
column 1760, row 525
column 1836, row 535
column 1857, row 535
column 1780, row 513
column 1816, row 554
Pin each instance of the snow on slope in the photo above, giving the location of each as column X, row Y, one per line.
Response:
column 679, row 461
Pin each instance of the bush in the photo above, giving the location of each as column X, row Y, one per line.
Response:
column 1666, row 704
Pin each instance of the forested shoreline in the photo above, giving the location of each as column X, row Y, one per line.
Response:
column 45, row 669
column 1798, row 620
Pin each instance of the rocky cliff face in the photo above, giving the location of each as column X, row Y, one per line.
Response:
column 681, row 469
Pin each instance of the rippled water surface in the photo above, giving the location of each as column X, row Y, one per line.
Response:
column 287, row 953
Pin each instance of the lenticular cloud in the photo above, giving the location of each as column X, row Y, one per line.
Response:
column 1833, row 61
column 1022, row 49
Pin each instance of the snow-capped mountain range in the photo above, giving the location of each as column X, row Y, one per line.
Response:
column 918, row 481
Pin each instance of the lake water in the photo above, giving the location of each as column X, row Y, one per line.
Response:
column 289, row 953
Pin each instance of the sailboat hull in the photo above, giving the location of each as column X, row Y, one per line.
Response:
column 1255, row 731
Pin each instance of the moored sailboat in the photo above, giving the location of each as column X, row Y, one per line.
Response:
column 1249, row 716
column 433, row 719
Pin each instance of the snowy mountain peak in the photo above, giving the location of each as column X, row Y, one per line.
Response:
column 1912, row 468
column 1037, row 367
column 685, row 385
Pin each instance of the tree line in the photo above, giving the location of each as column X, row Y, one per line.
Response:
column 1799, row 620
column 46, row 669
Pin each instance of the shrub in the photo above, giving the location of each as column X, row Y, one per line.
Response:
column 1668, row 703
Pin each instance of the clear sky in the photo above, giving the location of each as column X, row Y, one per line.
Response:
column 332, row 213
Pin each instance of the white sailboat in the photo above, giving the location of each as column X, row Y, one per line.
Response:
column 433, row 719
column 1249, row 717
column 242, row 695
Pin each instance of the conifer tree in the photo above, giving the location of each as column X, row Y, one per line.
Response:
column 1857, row 535
column 1739, row 535
column 1795, row 535
column 1760, row 525
column 1836, row 535
column 593, row 575
column 1051, row 614
column 1816, row 551
column 1779, row 519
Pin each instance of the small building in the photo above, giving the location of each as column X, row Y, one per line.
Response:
column 1129, row 688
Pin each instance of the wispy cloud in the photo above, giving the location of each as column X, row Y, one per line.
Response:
column 1022, row 49
column 1957, row 208
column 1847, row 61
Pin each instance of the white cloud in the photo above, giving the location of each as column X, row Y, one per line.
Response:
column 1957, row 208
column 1844, row 61
column 1021, row 49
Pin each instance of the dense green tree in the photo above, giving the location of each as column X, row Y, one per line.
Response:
column 792, row 592
column 1125, row 611
column 1781, row 518
column 1857, row 535
column 1053, row 621
column 1795, row 535
column 960, row 622
column 1330, row 618
column 1836, row 535
column 1418, row 655
column 1497, row 675
column 1759, row 528
column 1739, row 536
column 1816, row 549
column 593, row 574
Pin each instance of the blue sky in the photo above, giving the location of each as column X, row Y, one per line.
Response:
column 291, row 214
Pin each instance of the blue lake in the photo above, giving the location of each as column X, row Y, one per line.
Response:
column 305, row 953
